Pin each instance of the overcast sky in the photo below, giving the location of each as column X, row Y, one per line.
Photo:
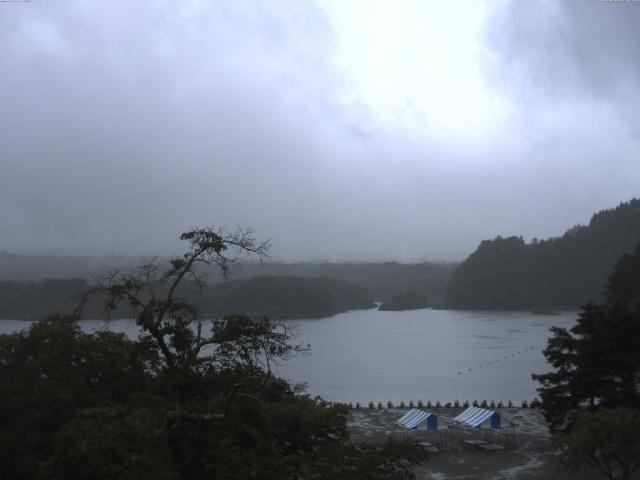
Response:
column 342, row 130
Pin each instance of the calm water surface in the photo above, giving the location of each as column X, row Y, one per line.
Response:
column 414, row 355
column 424, row 355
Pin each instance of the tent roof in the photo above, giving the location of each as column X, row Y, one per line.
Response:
column 414, row 418
column 474, row 416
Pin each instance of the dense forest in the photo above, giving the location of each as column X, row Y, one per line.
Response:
column 289, row 297
column 563, row 272
column 382, row 279
column 286, row 297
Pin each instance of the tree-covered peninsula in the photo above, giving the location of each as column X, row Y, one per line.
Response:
column 381, row 279
column 282, row 297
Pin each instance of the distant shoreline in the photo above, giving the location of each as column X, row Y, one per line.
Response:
column 550, row 313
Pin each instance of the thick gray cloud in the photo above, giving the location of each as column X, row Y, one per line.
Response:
column 571, row 71
column 124, row 123
column 580, row 51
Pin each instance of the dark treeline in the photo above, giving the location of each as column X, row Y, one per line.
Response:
column 287, row 297
column 382, row 280
column 562, row 272
column 405, row 301
column 34, row 301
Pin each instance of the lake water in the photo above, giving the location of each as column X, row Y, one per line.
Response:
column 413, row 355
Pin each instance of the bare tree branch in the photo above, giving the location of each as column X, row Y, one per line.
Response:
column 152, row 291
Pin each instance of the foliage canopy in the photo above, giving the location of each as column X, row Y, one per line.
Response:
column 592, row 398
column 597, row 361
column 607, row 440
column 179, row 402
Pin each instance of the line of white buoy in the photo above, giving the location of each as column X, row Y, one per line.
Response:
column 492, row 362
column 455, row 404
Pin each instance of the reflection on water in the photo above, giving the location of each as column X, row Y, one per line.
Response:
column 414, row 355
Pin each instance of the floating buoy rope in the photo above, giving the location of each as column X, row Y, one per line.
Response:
column 505, row 357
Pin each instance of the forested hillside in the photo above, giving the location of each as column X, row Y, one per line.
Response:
column 287, row 297
column 562, row 272
column 381, row 279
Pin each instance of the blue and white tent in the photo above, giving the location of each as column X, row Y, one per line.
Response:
column 475, row 416
column 415, row 417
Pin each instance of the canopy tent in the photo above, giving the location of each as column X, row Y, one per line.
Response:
column 475, row 416
column 415, row 417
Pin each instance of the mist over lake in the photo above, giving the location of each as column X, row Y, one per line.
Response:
column 366, row 355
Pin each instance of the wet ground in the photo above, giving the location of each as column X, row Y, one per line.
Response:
column 528, row 451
